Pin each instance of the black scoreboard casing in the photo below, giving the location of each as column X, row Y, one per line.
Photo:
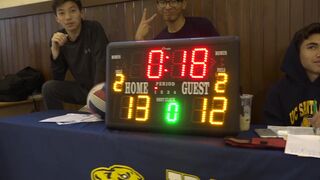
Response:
column 160, row 100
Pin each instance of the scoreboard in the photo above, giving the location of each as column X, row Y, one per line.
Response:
column 176, row 86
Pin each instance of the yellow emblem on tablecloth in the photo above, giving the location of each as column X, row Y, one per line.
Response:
column 118, row 172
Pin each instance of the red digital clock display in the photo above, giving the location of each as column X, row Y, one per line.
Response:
column 183, row 86
column 196, row 62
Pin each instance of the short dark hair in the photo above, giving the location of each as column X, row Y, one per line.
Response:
column 57, row 3
column 305, row 33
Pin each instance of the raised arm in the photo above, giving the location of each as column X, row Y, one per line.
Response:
column 144, row 26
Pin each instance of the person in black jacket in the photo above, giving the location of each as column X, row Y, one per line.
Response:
column 294, row 100
column 178, row 26
column 79, row 47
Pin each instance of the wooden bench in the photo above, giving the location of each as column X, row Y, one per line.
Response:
column 34, row 103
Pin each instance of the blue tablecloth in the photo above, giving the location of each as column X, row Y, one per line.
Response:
column 47, row 151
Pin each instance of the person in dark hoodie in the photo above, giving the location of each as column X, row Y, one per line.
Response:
column 294, row 100
column 79, row 47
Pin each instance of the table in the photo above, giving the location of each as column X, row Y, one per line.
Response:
column 37, row 151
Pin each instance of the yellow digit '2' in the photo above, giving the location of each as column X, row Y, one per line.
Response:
column 118, row 84
column 220, row 85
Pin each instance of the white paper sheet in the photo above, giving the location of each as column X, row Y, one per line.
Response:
column 72, row 118
column 295, row 130
column 303, row 145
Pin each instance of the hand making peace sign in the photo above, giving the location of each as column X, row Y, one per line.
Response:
column 144, row 26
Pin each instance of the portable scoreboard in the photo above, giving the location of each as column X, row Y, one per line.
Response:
column 178, row 86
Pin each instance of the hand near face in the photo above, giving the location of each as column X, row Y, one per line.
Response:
column 144, row 26
column 58, row 39
column 315, row 122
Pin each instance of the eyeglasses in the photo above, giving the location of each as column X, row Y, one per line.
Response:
column 172, row 3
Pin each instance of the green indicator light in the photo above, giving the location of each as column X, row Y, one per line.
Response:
column 172, row 112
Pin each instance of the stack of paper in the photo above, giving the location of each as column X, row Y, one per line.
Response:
column 303, row 145
column 300, row 141
column 283, row 131
column 72, row 118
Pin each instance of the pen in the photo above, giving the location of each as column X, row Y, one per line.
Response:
column 315, row 107
column 315, row 110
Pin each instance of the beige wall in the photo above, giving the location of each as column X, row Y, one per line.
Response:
column 12, row 3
